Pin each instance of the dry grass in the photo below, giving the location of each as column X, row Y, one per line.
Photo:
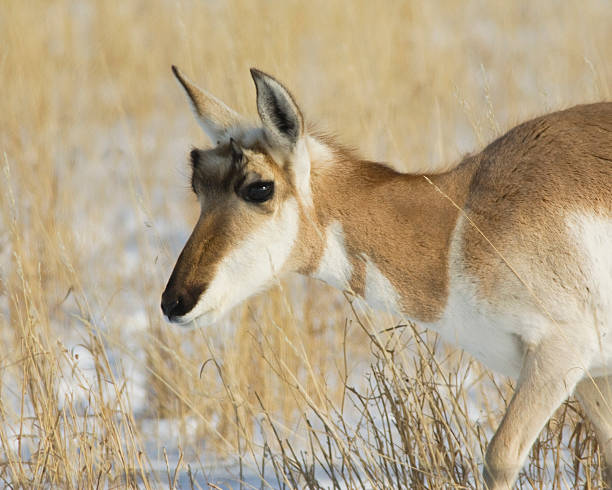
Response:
column 97, row 391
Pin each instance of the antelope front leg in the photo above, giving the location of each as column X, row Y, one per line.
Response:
column 548, row 377
column 595, row 395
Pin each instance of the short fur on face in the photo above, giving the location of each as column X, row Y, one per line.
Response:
column 221, row 175
column 273, row 156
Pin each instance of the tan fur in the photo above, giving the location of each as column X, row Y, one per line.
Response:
column 499, row 223
column 214, row 116
column 225, row 219
column 400, row 221
column 526, row 185
column 405, row 225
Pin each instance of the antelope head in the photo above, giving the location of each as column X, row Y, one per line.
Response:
column 253, row 187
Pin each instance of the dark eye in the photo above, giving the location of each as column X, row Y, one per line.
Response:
column 258, row 191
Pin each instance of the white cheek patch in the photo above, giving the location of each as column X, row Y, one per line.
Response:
column 335, row 268
column 379, row 292
column 250, row 267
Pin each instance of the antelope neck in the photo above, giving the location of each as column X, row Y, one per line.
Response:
column 388, row 234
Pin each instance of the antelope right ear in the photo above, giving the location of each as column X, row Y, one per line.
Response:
column 280, row 115
column 213, row 115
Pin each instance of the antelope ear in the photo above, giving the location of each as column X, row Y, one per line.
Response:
column 280, row 115
column 213, row 115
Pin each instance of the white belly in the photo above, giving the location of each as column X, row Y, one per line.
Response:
column 498, row 335
column 491, row 338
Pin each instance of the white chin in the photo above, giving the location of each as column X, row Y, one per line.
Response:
column 196, row 321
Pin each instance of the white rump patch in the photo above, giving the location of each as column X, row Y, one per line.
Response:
column 379, row 292
column 335, row 268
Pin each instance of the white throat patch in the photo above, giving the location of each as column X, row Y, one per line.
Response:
column 335, row 268
column 379, row 292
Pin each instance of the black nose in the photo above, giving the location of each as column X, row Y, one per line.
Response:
column 179, row 302
column 168, row 306
column 176, row 303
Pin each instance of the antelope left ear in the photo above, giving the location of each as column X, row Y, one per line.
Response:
column 213, row 115
column 280, row 115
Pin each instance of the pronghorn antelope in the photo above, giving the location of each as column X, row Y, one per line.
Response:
column 508, row 255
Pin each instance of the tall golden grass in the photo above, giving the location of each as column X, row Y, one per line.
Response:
column 295, row 389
